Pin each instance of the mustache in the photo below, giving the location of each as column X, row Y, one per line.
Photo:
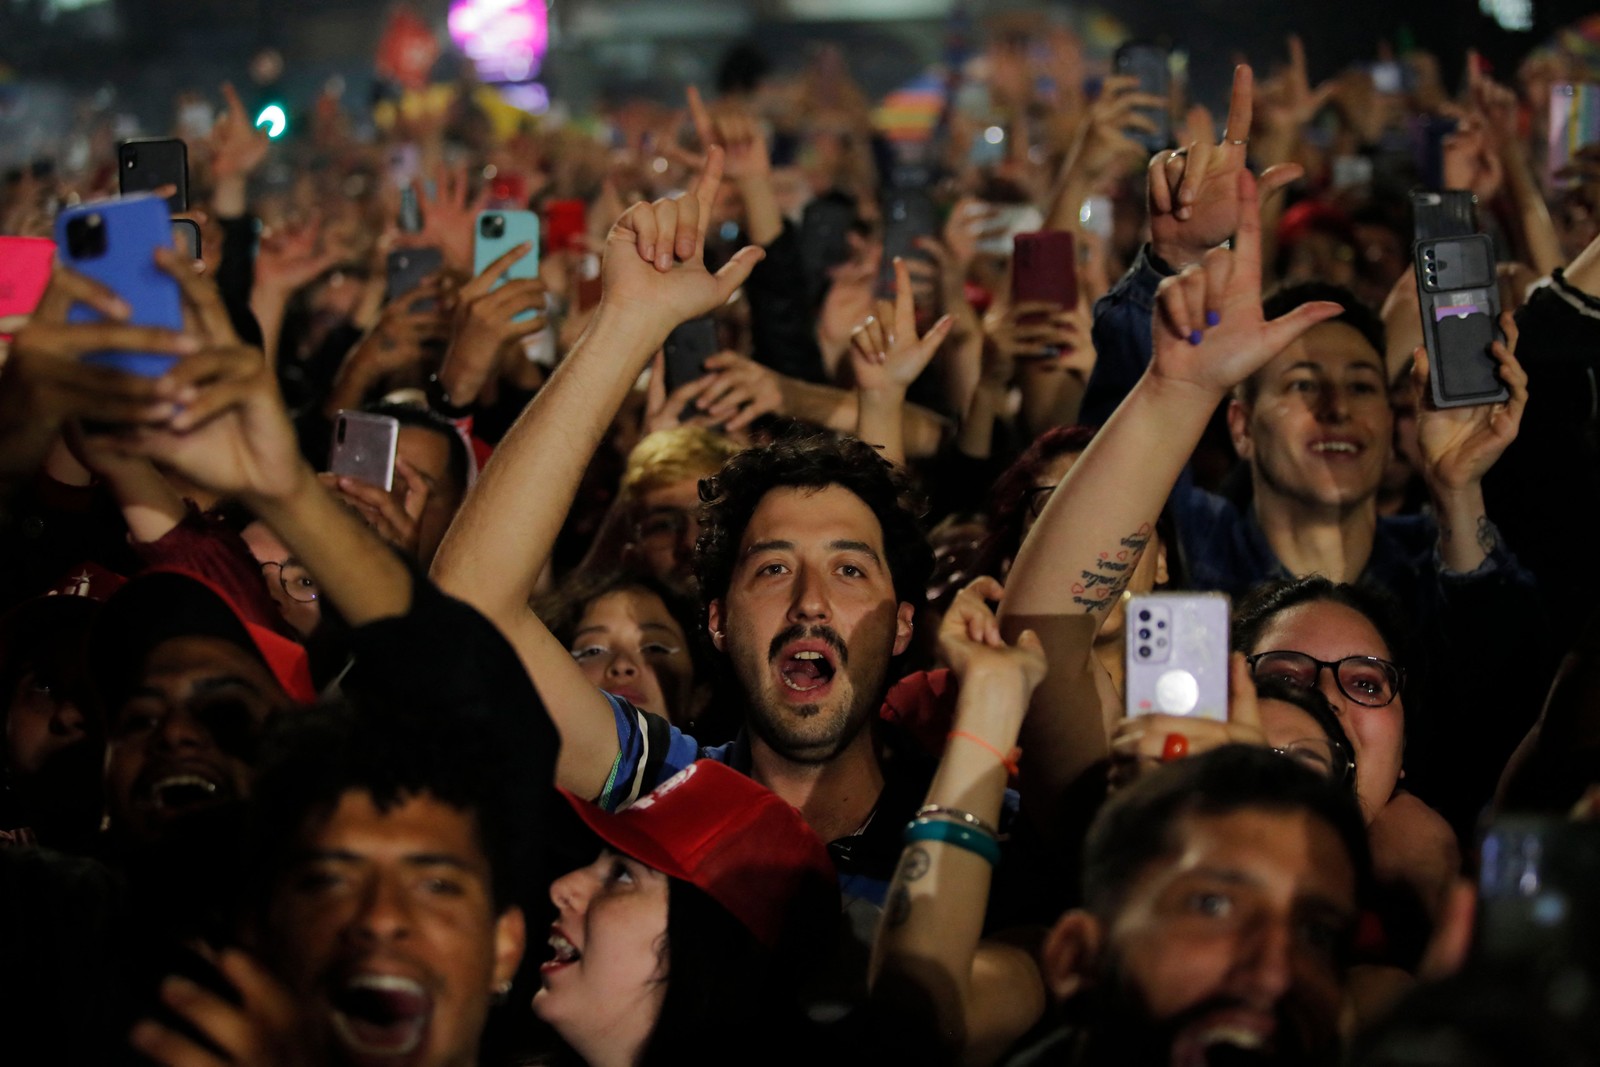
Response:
column 802, row 633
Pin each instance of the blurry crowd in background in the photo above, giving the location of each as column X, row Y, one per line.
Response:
column 1031, row 568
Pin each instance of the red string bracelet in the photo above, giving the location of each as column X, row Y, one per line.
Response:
column 1009, row 762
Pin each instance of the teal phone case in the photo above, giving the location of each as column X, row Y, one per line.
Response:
column 518, row 227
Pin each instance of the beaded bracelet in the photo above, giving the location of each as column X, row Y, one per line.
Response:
column 959, row 815
column 954, row 833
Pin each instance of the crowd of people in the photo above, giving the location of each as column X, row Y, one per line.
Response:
column 778, row 715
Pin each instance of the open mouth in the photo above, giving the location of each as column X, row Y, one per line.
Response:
column 381, row 1015
column 806, row 670
column 564, row 952
column 1335, row 447
column 1227, row 1038
column 173, row 792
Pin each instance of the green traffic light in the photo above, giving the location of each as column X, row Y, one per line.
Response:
column 274, row 119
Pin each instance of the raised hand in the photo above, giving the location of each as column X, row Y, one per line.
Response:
column 1193, row 192
column 448, row 215
column 291, row 258
column 394, row 516
column 1033, row 329
column 232, row 434
column 1142, row 741
column 654, row 270
column 1286, row 102
column 1209, row 329
column 970, row 642
column 886, row 355
column 262, row 1027
column 738, row 391
column 486, row 321
column 44, row 381
column 737, row 131
column 1104, row 148
column 237, row 147
column 1459, row 445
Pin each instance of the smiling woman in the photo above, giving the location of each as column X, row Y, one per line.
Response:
column 712, row 861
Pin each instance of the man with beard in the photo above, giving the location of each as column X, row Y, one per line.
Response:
column 809, row 564
column 1220, row 905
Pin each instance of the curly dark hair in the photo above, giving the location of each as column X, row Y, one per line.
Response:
column 1008, row 501
column 730, row 497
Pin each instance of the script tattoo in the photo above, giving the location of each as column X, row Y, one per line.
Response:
column 1101, row 585
column 1487, row 536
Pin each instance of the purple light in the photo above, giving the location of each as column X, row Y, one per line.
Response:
column 505, row 39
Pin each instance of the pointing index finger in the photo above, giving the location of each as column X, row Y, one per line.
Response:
column 705, row 192
column 701, row 118
column 1241, row 104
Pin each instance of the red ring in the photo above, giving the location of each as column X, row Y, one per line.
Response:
column 1175, row 747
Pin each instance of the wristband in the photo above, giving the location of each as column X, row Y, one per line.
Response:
column 954, row 833
column 1008, row 761
column 439, row 400
column 960, row 816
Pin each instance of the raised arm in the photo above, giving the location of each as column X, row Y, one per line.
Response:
column 929, row 968
column 654, row 278
column 886, row 356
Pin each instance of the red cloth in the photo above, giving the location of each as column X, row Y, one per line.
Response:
column 924, row 705
column 204, row 546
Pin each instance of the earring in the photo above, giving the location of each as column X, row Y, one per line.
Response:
column 502, row 992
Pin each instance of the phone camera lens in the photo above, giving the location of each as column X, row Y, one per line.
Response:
column 1161, row 642
column 1144, row 634
column 1144, row 651
column 493, row 226
column 1144, row 616
column 1161, row 625
column 129, row 163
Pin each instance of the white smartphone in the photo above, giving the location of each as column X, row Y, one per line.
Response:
column 364, row 447
column 1177, row 655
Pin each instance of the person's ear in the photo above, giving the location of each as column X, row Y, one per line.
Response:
column 1070, row 955
column 714, row 624
column 510, row 940
column 1239, row 429
column 903, row 626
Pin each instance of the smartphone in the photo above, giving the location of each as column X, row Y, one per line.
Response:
column 1097, row 216
column 1431, row 132
column 1006, row 221
column 410, row 211
column 1453, row 213
column 364, row 447
column 1539, row 895
column 186, row 237
column 908, row 214
column 114, row 242
column 404, row 165
column 825, row 234
column 1460, row 299
column 566, row 225
column 1177, row 655
column 1152, row 65
column 147, row 163
column 988, row 147
column 687, row 348
column 1387, row 77
column 25, row 264
column 1044, row 266
column 1574, row 125
column 406, row 268
column 497, row 233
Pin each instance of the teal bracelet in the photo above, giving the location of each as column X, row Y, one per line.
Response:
column 957, row 834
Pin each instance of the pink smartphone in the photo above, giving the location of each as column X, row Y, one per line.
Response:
column 25, row 264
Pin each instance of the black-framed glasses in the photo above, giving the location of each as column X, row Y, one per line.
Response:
column 296, row 581
column 1322, row 755
column 1367, row 680
column 1037, row 497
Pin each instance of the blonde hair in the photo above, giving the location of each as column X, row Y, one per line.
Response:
column 669, row 456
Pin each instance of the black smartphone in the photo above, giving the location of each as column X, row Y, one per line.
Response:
column 907, row 215
column 1152, row 65
column 145, row 164
column 1539, row 895
column 406, row 268
column 1460, row 299
column 1453, row 213
column 825, row 233
column 1431, row 132
column 687, row 348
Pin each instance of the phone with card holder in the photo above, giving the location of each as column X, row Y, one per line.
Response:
column 1460, row 300
column 114, row 242
column 1177, row 655
column 364, row 447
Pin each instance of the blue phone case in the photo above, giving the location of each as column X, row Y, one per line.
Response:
column 134, row 228
column 520, row 227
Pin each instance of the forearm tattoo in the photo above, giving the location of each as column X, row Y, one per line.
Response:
column 1099, row 587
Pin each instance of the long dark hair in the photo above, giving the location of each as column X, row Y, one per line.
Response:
column 1008, row 502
